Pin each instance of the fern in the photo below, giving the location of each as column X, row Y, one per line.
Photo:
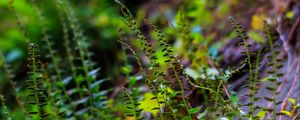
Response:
column 131, row 101
column 128, row 19
column 170, row 58
column 175, row 70
column 35, row 88
column 52, row 53
column 10, row 78
column 69, row 87
column 276, row 64
column 81, row 45
column 59, row 91
column 4, row 109
column 252, row 61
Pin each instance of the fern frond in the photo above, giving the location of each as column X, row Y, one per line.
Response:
column 252, row 60
column 147, row 48
column 275, row 64
column 35, row 87
column 132, row 104
column 10, row 78
column 4, row 109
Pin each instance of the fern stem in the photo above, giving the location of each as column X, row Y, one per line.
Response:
column 182, row 93
column 270, row 38
column 51, row 51
column 243, row 35
column 217, row 93
column 69, row 55
column 154, row 91
column 255, row 79
column 34, row 77
column 82, row 48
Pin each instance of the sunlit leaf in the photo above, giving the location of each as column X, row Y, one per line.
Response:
column 286, row 112
column 192, row 73
column 194, row 110
column 132, row 80
column 126, row 69
column 261, row 114
column 147, row 104
column 292, row 100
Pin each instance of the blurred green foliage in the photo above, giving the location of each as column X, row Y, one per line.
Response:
column 174, row 71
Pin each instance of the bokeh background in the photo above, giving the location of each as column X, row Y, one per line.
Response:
column 209, row 32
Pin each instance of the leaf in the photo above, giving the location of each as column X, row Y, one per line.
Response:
column 79, row 79
column 80, row 101
column 148, row 104
column 60, row 84
column 98, row 82
column 194, row 110
column 67, row 80
column 292, row 100
column 261, row 114
column 192, row 73
column 212, row 71
column 126, row 69
column 132, row 81
column 286, row 112
column 94, row 72
column 202, row 115
column 233, row 97
column 187, row 118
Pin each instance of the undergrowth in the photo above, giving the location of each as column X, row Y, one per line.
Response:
column 72, row 90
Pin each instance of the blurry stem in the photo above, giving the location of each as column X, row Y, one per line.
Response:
column 182, row 92
column 49, row 44
column 217, row 93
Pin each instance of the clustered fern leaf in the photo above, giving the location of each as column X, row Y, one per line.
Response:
column 35, row 87
column 63, row 99
column 253, row 61
column 132, row 103
column 157, row 78
column 275, row 63
column 51, row 93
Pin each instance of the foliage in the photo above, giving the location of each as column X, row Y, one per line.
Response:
column 161, row 72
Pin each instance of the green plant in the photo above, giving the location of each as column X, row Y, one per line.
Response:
column 37, row 100
column 250, row 65
column 48, row 89
column 164, row 57
column 272, row 81
column 158, row 80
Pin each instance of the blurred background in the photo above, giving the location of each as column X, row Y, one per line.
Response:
column 209, row 32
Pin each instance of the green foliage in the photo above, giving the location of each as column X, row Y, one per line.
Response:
column 4, row 109
column 159, row 78
column 37, row 100
column 253, row 60
column 132, row 103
